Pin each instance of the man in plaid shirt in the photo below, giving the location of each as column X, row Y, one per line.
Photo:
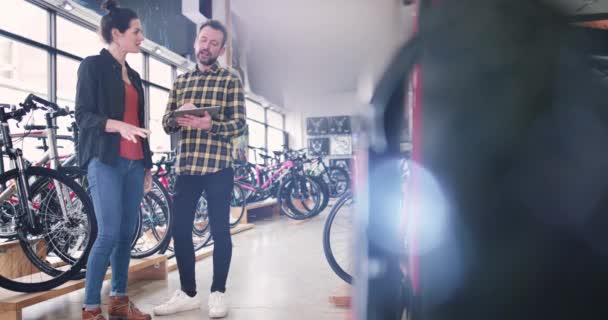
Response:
column 204, row 163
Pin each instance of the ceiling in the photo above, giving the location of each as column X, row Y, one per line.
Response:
column 310, row 49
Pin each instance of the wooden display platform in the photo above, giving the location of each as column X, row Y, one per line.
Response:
column 12, row 303
column 342, row 297
column 13, row 262
column 266, row 208
column 208, row 251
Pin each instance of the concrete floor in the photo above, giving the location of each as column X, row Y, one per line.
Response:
column 278, row 272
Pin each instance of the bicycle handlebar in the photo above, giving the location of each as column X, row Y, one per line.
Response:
column 34, row 127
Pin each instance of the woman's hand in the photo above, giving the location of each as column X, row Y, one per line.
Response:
column 126, row 130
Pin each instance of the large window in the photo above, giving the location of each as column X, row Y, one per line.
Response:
column 275, row 119
column 276, row 139
column 23, row 70
column 77, row 39
column 257, row 136
column 254, row 111
column 67, row 77
column 159, row 141
column 136, row 61
column 160, row 73
column 180, row 71
column 266, row 129
column 25, row 19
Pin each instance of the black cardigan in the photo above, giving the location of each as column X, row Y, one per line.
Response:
column 100, row 95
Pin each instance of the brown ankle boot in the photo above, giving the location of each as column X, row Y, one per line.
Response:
column 92, row 314
column 121, row 308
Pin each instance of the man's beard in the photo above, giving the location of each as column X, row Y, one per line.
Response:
column 207, row 61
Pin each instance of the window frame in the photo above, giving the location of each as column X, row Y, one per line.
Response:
column 54, row 53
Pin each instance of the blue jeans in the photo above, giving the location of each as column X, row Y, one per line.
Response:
column 116, row 192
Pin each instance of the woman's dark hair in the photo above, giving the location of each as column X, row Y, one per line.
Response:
column 118, row 18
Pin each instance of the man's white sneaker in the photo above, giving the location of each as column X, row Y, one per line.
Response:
column 218, row 307
column 179, row 302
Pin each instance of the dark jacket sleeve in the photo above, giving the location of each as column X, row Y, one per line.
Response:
column 86, row 111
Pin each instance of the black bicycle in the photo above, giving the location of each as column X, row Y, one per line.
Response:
column 51, row 215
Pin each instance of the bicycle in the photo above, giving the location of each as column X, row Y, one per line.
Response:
column 51, row 213
column 337, row 178
column 151, row 234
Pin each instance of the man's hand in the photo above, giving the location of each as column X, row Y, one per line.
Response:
column 147, row 181
column 191, row 121
column 187, row 106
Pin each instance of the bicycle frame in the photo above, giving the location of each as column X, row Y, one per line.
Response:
column 51, row 153
column 17, row 161
column 277, row 175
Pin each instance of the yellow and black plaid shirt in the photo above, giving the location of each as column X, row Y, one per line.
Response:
column 200, row 152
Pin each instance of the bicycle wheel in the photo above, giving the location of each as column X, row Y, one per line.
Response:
column 61, row 240
column 7, row 222
column 162, row 193
column 300, row 197
column 337, row 238
column 323, row 194
column 238, row 202
column 152, row 233
column 201, row 231
column 338, row 181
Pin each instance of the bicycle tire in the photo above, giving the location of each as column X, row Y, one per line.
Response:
column 327, row 249
column 78, row 176
column 320, row 205
column 236, row 203
column 166, row 195
column 162, row 192
column 58, row 276
column 285, row 200
column 324, row 194
column 149, row 200
column 345, row 179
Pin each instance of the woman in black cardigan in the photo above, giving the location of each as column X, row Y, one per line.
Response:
column 113, row 146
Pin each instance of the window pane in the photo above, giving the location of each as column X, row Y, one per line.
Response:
column 158, row 103
column 181, row 71
column 254, row 110
column 276, row 139
column 136, row 61
column 77, row 39
column 23, row 70
column 23, row 67
column 257, row 134
column 275, row 119
column 67, row 76
column 159, row 141
column 25, row 19
column 160, row 73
